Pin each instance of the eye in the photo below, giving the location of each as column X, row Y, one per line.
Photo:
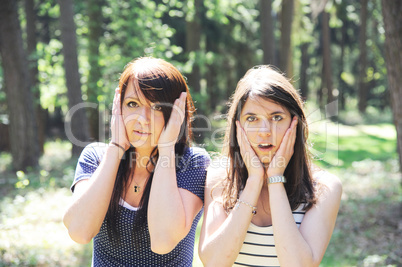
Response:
column 157, row 107
column 251, row 118
column 277, row 118
column 132, row 104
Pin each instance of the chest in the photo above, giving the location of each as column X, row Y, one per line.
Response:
column 134, row 190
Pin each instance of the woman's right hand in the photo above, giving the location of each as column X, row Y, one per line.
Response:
column 250, row 158
column 117, row 126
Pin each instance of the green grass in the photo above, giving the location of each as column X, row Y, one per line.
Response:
column 368, row 231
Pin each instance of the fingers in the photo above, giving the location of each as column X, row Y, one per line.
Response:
column 116, row 110
column 172, row 131
column 181, row 102
column 240, row 134
column 253, row 164
column 245, row 147
column 286, row 147
column 292, row 134
column 179, row 108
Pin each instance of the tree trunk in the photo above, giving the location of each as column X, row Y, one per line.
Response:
column 77, row 129
column 305, row 60
column 33, row 67
column 363, row 58
column 392, row 14
column 326, row 59
column 193, row 40
column 23, row 128
column 342, row 84
column 267, row 32
column 285, row 62
column 95, row 73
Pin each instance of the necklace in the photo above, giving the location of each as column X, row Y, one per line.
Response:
column 136, row 187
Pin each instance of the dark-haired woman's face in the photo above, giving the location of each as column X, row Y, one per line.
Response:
column 143, row 119
column 265, row 123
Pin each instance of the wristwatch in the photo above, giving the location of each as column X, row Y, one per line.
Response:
column 276, row 179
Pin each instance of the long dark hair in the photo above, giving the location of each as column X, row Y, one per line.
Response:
column 265, row 82
column 159, row 81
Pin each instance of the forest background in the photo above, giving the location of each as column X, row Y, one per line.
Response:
column 61, row 60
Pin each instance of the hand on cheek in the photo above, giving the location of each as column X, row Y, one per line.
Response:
column 117, row 125
column 283, row 155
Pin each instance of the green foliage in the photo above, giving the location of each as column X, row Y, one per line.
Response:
column 51, row 75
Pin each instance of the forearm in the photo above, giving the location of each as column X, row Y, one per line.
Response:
column 166, row 213
column 86, row 213
column 222, row 247
column 290, row 245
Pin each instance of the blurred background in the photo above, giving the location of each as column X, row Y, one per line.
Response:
column 343, row 55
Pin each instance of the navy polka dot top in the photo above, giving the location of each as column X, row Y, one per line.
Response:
column 191, row 173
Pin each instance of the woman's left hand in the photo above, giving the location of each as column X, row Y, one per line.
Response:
column 170, row 134
column 283, row 155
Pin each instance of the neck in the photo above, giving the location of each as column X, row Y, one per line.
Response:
column 142, row 158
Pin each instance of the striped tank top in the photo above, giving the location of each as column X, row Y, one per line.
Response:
column 259, row 245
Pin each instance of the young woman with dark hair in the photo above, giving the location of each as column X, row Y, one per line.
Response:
column 140, row 197
column 271, row 208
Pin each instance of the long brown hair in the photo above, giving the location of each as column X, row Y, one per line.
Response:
column 159, row 81
column 265, row 82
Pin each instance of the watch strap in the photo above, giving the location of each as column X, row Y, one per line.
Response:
column 276, row 179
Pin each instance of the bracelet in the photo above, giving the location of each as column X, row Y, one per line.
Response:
column 116, row 144
column 276, row 179
column 254, row 209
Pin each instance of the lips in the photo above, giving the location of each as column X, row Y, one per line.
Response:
column 265, row 147
column 141, row 133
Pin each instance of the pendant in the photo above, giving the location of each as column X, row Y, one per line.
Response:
column 136, row 188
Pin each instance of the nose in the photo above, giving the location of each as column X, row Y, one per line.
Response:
column 141, row 115
column 265, row 128
column 144, row 115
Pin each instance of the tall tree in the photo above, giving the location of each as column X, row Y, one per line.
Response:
column 95, row 73
column 23, row 129
column 392, row 15
column 363, row 58
column 30, row 14
column 79, row 123
column 193, row 41
column 267, row 32
column 326, row 61
column 286, row 33
column 304, row 65
column 342, row 15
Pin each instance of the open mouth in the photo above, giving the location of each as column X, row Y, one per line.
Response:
column 265, row 146
column 141, row 132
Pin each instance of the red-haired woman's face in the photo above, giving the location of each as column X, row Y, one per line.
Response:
column 265, row 123
column 143, row 119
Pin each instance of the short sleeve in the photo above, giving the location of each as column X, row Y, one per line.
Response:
column 88, row 162
column 192, row 169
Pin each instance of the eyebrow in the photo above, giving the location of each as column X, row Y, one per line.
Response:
column 133, row 96
column 273, row 113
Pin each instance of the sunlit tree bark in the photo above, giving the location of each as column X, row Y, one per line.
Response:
column 392, row 15
column 23, row 128
column 267, row 32
column 363, row 57
column 79, row 123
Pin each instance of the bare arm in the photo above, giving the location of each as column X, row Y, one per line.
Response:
column 222, row 235
column 304, row 246
column 84, row 217
column 171, row 210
